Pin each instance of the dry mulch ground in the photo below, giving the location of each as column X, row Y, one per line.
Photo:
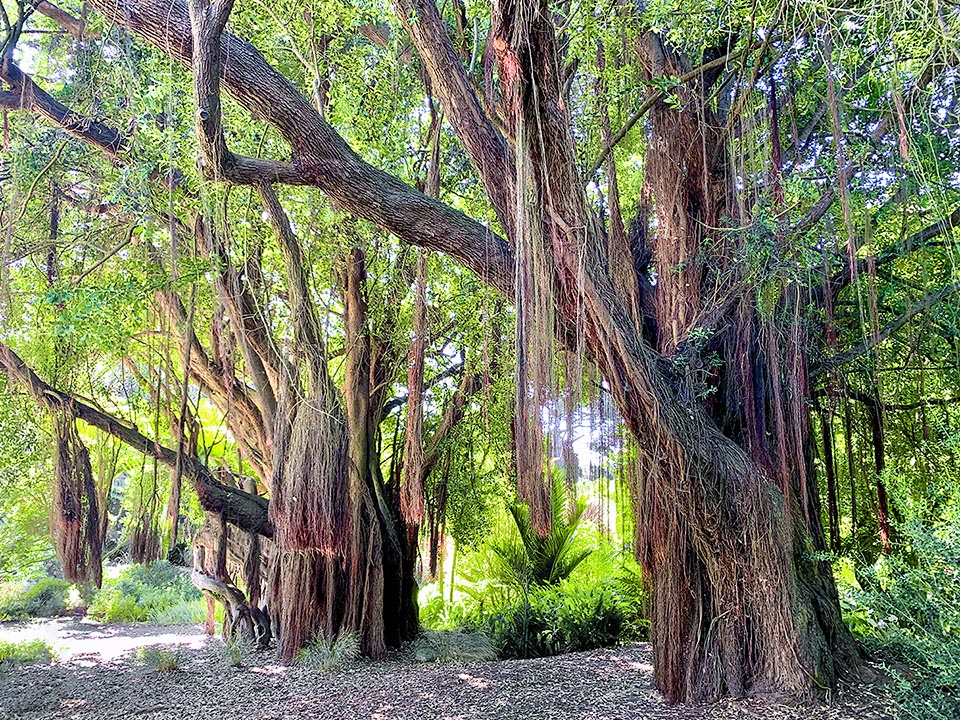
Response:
column 98, row 677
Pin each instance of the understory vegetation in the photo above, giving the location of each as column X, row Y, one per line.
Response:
column 157, row 592
column 30, row 652
column 905, row 608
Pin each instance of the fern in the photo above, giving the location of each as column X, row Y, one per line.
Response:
column 530, row 560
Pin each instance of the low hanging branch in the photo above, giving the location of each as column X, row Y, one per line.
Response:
column 244, row 510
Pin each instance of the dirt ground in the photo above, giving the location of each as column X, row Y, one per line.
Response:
column 98, row 676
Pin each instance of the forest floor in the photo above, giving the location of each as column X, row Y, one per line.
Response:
column 98, row 676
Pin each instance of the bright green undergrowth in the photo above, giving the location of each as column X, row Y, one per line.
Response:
column 905, row 609
column 532, row 596
column 46, row 597
column 31, row 652
column 158, row 592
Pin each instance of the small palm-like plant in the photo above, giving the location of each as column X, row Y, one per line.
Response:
column 530, row 560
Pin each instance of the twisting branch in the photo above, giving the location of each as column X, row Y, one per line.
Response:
column 244, row 510
column 323, row 156
column 207, row 21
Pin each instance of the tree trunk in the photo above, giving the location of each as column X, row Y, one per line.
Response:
column 830, row 467
column 875, row 418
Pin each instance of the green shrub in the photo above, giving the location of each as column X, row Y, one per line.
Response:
column 525, row 559
column 31, row 652
column 156, row 592
column 238, row 646
column 46, row 597
column 453, row 647
column 325, row 655
column 905, row 608
column 567, row 618
column 160, row 658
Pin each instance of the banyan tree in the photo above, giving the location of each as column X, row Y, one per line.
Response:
column 660, row 241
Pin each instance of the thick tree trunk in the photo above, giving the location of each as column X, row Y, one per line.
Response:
column 737, row 605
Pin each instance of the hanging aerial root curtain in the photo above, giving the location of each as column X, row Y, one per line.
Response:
column 535, row 386
column 75, row 521
column 312, row 512
column 411, row 497
column 310, row 503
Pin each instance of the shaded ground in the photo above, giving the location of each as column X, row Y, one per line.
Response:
column 97, row 677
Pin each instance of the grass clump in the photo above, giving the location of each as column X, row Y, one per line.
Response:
column 237, row 648
column 452, row 646
column 46, row 597
column 185, row 612
column 155, row 592
column 326, row 655
column 160, row 658
column 31, row 652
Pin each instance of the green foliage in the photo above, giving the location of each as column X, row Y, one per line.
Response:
column 46, row 597
column 906, row 609
column 452, row 646
column 185, row 612
column 527, row 559
column 160, row 658
column 325, row 655
column 599, row 603
column 31, row 652
column 157, row 592
column 565, row 618
column 25, row 545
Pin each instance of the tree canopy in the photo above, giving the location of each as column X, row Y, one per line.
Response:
column 352, row 270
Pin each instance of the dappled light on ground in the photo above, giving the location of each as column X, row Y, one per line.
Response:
column 101, row 676
column 89, row 643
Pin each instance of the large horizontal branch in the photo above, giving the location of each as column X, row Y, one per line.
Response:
column 27, row 95
column 246, row 511
column 321, row 156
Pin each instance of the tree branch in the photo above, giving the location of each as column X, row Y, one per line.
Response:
column 246, row 511
column 27, row 95
column 487, row 148
column 887, row 330
column 75, row 27
column 919, row 240
column 325, row 159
